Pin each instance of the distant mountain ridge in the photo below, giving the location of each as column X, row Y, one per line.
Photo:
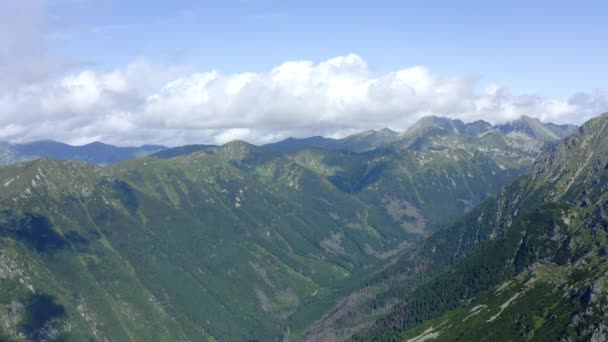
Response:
column 364, row 141
column 104, row 154
column 95, row 152
column 526, row 127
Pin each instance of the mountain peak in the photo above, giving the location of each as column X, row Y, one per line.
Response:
column 243, row 152
column 386, row 130
column 97, row 144
column 47, row 175
column 431, row 122
column 238, row 144
column 237, row 147
column 447, row 125
column 534, row 128
column 528, row 118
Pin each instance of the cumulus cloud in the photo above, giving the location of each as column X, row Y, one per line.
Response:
column 44, row 97
column 144, row 104
column 24, row 57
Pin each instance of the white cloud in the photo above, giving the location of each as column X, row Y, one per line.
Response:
column 42, row 96
column 24, row 57
column 141, row 103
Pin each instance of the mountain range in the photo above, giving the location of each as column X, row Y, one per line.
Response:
column 104, row 154
column 526, row 128
column 448, row 230
column 96, row 152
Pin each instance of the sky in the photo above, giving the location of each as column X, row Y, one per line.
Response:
column 181, row 72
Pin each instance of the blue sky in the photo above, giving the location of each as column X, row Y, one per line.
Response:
column 547, row 47
column 177, row 72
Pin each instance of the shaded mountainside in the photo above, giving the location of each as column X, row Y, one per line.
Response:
column 96, row 152
column 527, row 263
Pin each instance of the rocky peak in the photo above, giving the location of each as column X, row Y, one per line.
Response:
column 445, row 125
column 535, row 129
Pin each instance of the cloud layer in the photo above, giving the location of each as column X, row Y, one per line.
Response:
column 141, row 103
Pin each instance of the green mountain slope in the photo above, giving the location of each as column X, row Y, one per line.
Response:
column 440, row 169
column 239, row 242
column 60, row 276
column 530, row 260
column 227, row 243
column 551, row 270
column 420, row 189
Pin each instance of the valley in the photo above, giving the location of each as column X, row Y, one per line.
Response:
column 237, row 241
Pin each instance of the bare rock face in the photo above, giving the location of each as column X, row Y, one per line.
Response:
column 11, row 316
column 600, row 333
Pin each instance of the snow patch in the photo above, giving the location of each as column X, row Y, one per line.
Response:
column 502, row 287
column 475, row 310
column 504, row 306
column 428, row 334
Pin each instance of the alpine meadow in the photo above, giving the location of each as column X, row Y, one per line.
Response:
column 238, row 171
